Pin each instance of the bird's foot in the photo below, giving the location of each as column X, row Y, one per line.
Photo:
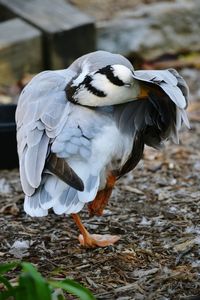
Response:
column 97, row 240
column 93, row 240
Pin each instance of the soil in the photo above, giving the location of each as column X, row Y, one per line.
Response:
column 155, row 210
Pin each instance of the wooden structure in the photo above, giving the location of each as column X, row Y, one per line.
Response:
column 63, row 33
column 17, row 41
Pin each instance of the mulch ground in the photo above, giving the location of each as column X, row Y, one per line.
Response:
column 155, row 210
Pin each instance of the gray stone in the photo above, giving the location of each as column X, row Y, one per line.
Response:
column 153, row 30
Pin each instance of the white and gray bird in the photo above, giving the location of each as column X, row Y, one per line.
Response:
column 82, row 128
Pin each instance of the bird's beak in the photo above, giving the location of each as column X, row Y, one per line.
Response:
column 144, row 90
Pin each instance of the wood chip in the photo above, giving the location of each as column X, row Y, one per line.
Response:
column 131, row 189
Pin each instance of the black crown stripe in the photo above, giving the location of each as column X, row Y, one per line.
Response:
column 71, row 90
column 91, row 88
column 108, row 72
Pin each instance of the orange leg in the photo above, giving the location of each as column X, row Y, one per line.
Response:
column 97, row 206
column 93, row 240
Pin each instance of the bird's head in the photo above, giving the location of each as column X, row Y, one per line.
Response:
column 110, row 85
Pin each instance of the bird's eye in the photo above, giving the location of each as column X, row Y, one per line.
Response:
column 127, row 84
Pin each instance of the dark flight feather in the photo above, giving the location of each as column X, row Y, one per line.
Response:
column 60, row 168
column 149, row 120
column 135, row 156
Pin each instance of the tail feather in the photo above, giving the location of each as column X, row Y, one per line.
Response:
column 65, row 201
column 32, row 206
column 62, row 198
column 91, row 188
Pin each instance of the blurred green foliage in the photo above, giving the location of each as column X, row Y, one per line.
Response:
column 32, row 286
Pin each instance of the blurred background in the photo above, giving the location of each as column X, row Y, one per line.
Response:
column 44, row 34
column 156, row 208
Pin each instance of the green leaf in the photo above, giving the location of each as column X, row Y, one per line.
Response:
column 61, row 297
column 5, row 281
column 36, row 286
column 29, row 268
column 28, row 287
column 73, row 288
column 7, row 267
column 19, row 293
column 32, row 286
column 4, row 295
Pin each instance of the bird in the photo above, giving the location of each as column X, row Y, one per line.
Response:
column 80, row 129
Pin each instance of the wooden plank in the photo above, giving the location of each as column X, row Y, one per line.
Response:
column 68, row 33
column 5, row 14
column 20, row 50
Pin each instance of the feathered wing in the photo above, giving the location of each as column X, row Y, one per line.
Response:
column 173, row 86
column 152, row 120
column 76, row 143
column 41, row 114
column 54, row 146
column 45, row 129
column 169, row 81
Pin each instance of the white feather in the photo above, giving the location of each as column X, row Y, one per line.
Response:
column 114, row 94
column 185, row 118
column 32, row 208
column 89, row 195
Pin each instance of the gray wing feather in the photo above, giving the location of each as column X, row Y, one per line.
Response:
column 168, row 80
column 32, row 206
column 27, row 188
column 181, row 83
column 41, row 114
column 68, row 198
column 47, row 122
column 157, row 75
column 99, row 59
column 175, row 95
column 35, row 160
column 34, row 137
column 77, row 134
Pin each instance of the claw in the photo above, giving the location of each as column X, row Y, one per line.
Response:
column 98, row 240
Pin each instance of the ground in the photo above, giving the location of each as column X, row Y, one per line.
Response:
column 155, row 210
